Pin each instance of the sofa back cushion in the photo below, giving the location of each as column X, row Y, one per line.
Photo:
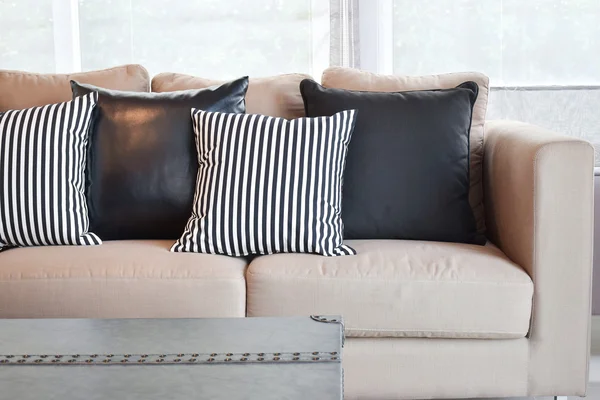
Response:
column 275, row 96
column 353, row 79
column 143, row 164
column 20, row 90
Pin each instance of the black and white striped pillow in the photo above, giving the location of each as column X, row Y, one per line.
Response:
column 268, row 185
column 42, row 164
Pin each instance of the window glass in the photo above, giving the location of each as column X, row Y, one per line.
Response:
column 26, row 35
column 514, row 42
column 542, row 56
column 210, row 38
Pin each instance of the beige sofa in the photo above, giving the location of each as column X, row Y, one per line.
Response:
column 422, row 319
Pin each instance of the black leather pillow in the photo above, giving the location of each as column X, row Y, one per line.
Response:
column 142, row 159
column 407, row 169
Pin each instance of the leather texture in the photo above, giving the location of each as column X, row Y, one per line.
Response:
column 158, row 382
column 143, row 163
column 275, row 96
column 353, row 79
column 407, row 168
column 122, row 279
column 539, row 196
column 396, row 288
column 22, row 90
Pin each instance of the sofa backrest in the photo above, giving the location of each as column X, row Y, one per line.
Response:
column 20, row 90
column 276, row 96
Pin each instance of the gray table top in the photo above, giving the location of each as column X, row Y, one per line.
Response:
column 299, row 358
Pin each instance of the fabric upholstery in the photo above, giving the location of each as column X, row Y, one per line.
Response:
column 407, row 170
column 143, row 161
column 386, row 369
column 268, row 185
column 275, row 96
column 21, row 89
column 396, row 288
column 353, row 79
column 43, row 154
column 122, row 279
column 539, row 205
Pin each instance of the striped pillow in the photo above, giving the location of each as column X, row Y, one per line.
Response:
column 268, row 185
column 42, row 163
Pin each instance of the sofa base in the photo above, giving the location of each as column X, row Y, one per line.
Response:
column 439, row 368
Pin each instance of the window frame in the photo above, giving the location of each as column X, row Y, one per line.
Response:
column 67, row 48
column 376, row 39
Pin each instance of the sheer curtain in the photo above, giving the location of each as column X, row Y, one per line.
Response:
column 344, row 33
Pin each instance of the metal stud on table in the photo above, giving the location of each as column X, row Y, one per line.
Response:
column 175, row 358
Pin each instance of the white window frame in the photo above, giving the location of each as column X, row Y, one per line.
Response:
column 67, row 48
column 320, row 25
column 376, row 35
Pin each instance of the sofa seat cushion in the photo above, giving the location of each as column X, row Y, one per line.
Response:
column 397, row 288
column 120, row 279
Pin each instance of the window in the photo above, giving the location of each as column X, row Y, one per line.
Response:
column 26, row 35
column 212, row 38
column 541, row 55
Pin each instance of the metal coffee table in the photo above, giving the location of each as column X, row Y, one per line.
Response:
column 237, row 358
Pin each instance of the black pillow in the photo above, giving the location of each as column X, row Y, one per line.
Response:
column 142, row 159
column 407, row 169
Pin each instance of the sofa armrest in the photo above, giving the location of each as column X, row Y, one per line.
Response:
column 538, row 191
